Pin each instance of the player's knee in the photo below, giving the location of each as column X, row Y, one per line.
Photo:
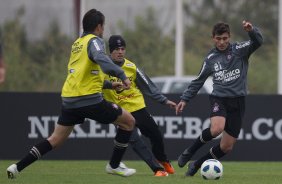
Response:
column 128, row 124
column 131, row 122
column 216, row 131
column 226, row 148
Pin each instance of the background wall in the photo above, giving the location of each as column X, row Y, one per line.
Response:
column 39, row 14
column 37, row 37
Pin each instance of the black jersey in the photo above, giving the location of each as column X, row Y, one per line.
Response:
column 228, row 69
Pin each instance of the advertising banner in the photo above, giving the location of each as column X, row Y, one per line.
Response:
column 28, row 118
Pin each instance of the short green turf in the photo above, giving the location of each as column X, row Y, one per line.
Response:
column 93, row 172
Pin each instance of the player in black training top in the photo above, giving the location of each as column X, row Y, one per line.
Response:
column 228, row 64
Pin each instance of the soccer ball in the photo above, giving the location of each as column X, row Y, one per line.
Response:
column 211, row 169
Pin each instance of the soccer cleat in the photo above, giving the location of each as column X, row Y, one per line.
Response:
column 184, row 158
column 168, row 167
column 160, row 173
column 121, row 170
column 192, row 169
column 12, row 171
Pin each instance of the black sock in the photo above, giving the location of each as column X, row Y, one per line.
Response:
column 201, row 140
column 34, row 154
column 121, row 143
column 214, row 153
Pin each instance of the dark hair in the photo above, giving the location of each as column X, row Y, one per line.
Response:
column 92, row 19
column 220, row 28
column 116, row 41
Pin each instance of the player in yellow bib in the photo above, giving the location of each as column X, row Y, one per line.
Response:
column 133, row 101
column 82, row 98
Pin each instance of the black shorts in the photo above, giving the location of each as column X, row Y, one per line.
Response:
column 233, row 109
column 103, row 112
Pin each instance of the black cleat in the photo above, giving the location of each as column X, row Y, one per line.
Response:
column 184, row 158
column 192, row 169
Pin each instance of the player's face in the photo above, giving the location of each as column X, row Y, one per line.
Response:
column 221, row 41
column 118, row 54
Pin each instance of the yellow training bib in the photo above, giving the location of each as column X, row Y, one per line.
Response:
column 85, row 77
column 132, row 99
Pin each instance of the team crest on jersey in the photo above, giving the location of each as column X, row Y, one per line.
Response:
column 215, row 107
column 229, row 56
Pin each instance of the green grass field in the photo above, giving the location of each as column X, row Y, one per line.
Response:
column 90, row 172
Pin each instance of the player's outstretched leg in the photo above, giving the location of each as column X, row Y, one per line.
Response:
column 140, row 148
column 190, row 151
column 214, row 153
column 34, row 154
column 150, row 129
column 57, row 138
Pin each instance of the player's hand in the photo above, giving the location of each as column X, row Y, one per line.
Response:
column 171, row 104
column 126, row 83
column 180, row 106
column 247, row 26
column 118, row 86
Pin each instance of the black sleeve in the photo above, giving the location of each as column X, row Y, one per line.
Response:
column 256, row 40
column 107, row 84
column 197, row 83
column 148, row 88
